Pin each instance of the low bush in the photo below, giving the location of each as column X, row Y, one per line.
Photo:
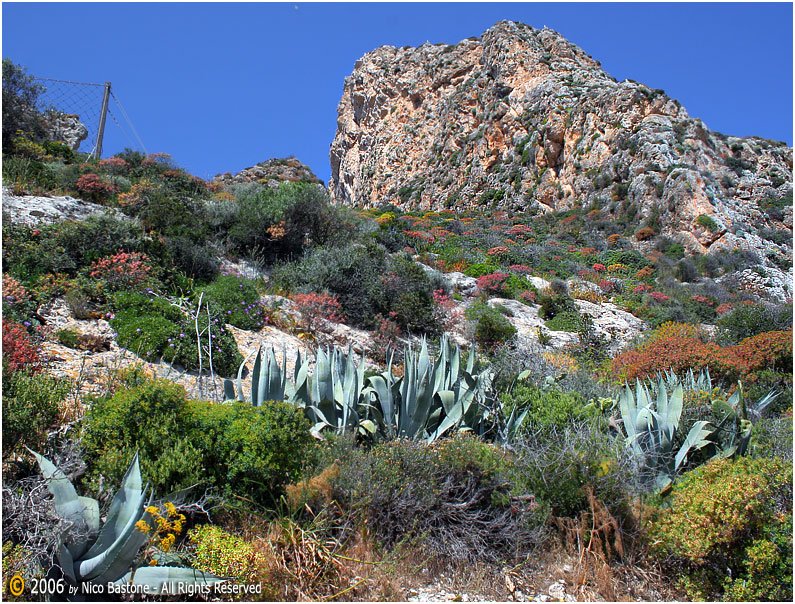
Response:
column 491, row 328
column 153, row 329
column 553, row 304
column 729, row 527
column 455, row 495
column 18, row 349
column 31, row 405
column 236, row 300
column 565, row 321
column 235, row 448
column 367, row 283
column 549, row 407
column 559, row 464
column 749, row 320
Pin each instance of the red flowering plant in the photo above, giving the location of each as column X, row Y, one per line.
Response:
column 18, row 350
column 493, row 284
column 123, row 270
column 317, row 309
column 598, row 267
column 605, row 285
column 445, row 312
column 93, row 187
column 659, row 297
column 521, row 269
column 115, row 166
column 679, row 347
column 386, row 339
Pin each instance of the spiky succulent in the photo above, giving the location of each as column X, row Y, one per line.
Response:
column 91, row 551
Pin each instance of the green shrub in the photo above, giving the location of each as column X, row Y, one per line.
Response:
column 749, row 320
column 97, row 237
column 559, row 464
column 454, row 495
column 480, row 269
column 31, row 405
column 283, row 222
column 20, row 97
column 68, row 337
column 367, row 283
column 554, row 304
column 565, row 321
column 549, row 407
column 152, row 328
column 195, row 260
column 630, row 258
column 154, row 419
column 236, row 300
column 252, row 451
column 237, row 449
column 491, row 327
column 730, row 526
column 707, row 222
column 30, row 252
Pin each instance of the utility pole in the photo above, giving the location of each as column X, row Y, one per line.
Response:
column 103, row 113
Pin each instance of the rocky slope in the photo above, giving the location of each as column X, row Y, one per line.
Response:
column 272, row 172
column 522, row 119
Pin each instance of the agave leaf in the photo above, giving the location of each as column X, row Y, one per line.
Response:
column 628, row 410
column 126, row 503
column 239, row 379
column 82, row 512
column 759, row 406
column 229, row 390
column 113, row 561
column 167, row 580
column 369, row 426
column 381, row 390
column 67, row 562
column 454, row 416
column 257, row 379
column 696, row 439
column 275, row 381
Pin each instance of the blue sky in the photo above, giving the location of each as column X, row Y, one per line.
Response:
column 223, row 86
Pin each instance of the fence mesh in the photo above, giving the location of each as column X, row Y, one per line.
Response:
column 84, row 100
column 74, row 98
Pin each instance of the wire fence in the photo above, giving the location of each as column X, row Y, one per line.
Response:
column 74, row 112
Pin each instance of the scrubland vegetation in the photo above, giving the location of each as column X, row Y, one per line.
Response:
column 330, row 479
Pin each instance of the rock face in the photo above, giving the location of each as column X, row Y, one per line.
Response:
column 65, row 128
column 272, row 172
column 33, row 210
column 521, row 119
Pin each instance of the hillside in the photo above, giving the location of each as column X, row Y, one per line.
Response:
column 521, row 119
column 503, row 356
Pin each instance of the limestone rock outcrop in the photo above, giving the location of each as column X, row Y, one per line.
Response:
column 521, row 119
column 272, row 172
column 65, row 128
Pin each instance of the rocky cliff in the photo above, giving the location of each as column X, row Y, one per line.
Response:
column 522, row 119
column 272, row 172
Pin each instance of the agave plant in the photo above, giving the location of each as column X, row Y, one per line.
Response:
column 268, row 381
column 690, row 382
column 332, row 396
column 736, row 419
column 651, row 423
column 102, row 553
column 431, row 397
